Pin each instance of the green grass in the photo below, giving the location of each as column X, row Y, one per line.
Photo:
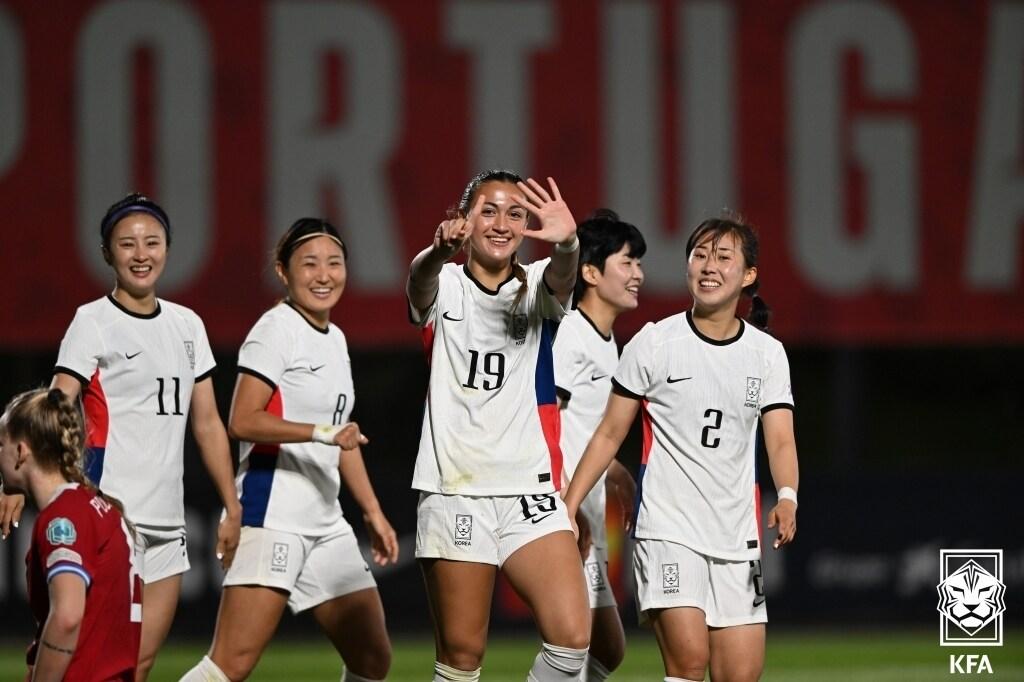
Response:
column 792, row 656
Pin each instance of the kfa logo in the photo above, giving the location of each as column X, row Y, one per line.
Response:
column 971, row 597
column 279, row 558
column 190, row 351
column 595, row 576
column 463, row 530
column 966, row 664
column 520, row 324
column 670, row 578
column 753, row 392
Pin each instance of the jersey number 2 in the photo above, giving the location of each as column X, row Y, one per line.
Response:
column 705, row 435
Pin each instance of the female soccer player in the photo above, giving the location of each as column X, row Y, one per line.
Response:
column 705, row 379
column 291, row 410
column 586, row 355
column 489, row 465
column 82, row 584
column 142, row 367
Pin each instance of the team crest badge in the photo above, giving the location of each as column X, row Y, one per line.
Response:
column 279, row 557
column 753, row 391
column 971, row 597
column 519, row 326
column 463, row 527
column 190, row 351
column 670, row 576
column 61, row 531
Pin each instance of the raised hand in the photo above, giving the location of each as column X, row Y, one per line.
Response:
column 556, row 222
column 451, row 235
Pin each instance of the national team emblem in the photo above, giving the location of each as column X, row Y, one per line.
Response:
column 463, row 527
column 190, row 351
column 61, row 531
column 595, row 576
column 519, row 326
column 669, row 576
column 753, row 391
column 971, row 597
column 279, row 557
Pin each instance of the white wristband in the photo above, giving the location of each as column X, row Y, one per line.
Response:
column 787, row 493
column 562, row 248
column 325, row 433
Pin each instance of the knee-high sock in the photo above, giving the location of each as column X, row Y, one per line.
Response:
column 205, row 671
column 557, row 664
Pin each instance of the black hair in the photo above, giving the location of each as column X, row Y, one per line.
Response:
column 601, row 235
column 302, row 230
column 133, row 203
column 746, row 234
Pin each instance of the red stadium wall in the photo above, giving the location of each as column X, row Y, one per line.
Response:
column 878, row 145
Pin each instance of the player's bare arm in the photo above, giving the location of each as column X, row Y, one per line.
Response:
column 605, row 443
column 556, row 226
column 383, row 539
column 449, row 238
column 60, row 632
column 621, row 485
column 215, row 451
column 250, row 421
column 780, row 442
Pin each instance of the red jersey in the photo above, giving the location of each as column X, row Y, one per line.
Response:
column 81, row 533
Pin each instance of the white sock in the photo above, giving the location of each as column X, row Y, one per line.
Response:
column 595, row 671
column 682, row 679
column 446, row 673
column 555, row 663
column 349, row 676
column 205, row 671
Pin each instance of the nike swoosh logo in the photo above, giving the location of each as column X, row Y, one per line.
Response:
column 758, row 602
column 317, row 369
column 539, row 519
column 452, row 319
column 672, row 380
column 598, row 376
column 129, row 357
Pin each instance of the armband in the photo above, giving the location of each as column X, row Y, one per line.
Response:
column 573, row 246
column 787, row 493
column 325, row 433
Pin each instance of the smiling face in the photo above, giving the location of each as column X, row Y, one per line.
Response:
column 315, row 277
column 716, row 273
column 619, row 284
column 500, row 225
column 137, row 251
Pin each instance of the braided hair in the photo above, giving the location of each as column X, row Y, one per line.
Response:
column 52, row 426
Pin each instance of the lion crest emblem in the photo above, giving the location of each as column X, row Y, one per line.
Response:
column 971, row 597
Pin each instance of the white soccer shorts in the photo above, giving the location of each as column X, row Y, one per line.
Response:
column 312, row 570
column 160, row 552
column 667, row 575
column 486, row 530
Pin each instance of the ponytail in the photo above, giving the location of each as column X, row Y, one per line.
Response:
column 760, row 313
column 52, row 426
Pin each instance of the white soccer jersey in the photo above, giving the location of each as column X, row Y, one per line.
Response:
column 702, row 400
column 294, row 487
column 137, row 372
column 490, row 426
column 585, row 361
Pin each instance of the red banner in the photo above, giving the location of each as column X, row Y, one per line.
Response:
column 878, row 146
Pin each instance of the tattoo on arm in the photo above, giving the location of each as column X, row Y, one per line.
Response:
column 62, row 650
